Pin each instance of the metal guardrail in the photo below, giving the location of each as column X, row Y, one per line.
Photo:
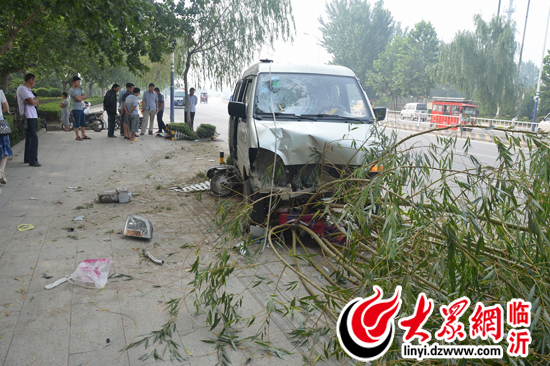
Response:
column 394, row 117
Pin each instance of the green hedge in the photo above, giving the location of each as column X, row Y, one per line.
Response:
column 42, row 92
column 55, row 92
column 206, row 131
column 182, row 128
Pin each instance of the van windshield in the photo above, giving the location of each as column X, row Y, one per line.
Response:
column 322, row 97
column 421, row 107
column 179, row 93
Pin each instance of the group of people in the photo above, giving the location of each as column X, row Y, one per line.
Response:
column 128, row 108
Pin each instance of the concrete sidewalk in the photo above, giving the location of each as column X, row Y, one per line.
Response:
column 72, row 325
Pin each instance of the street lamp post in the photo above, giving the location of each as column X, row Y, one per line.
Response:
column 172, row 87
column 537, row 96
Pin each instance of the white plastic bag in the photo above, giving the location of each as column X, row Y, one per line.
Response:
column 91, row 273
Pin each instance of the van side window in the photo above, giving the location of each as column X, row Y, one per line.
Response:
column 237, row 90
column 446, row 109
column 456, row 110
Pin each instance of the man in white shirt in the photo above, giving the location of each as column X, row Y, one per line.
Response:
column 27, row 103
column 193, row 100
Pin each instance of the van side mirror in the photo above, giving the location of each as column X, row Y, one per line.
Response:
column 237, row 109
column 380, row 113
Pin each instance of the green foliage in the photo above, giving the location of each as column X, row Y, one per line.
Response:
column 481, row 64
column 206, row 130
column 544, row 103
column 16, row 134
column 55, row 92
column 180, row 127
column 230, row 30
column 42, row 92
column 355, row 33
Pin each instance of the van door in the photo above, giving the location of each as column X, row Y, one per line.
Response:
column 233, row 122
column 243, row 127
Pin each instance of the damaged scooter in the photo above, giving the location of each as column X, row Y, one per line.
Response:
column 293, row 128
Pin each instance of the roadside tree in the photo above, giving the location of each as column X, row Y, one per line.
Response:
column 481, row 64
column 355, row 33
column 227, row 34
column 404, row 68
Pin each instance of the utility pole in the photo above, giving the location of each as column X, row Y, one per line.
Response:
column 540, row 74
column 172, row 87
column 522, row 42
column 498, row 12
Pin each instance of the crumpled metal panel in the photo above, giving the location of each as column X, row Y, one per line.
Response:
column 304, row 142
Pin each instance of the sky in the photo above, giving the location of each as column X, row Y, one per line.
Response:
column 446, row 19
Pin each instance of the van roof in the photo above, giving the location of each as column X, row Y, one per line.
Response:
column 296, row 68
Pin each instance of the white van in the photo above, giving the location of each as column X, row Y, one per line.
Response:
column 415, row 111
column 302, row 117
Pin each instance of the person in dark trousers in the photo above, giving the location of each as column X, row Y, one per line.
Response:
column 109, row 106
column 160, row 113
column 26, row 103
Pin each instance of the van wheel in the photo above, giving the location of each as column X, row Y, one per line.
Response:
column 259, row 207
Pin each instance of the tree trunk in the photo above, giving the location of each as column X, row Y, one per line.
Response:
column 4, row 82
column 65, row 84
column 90, row 87
column 185, row 86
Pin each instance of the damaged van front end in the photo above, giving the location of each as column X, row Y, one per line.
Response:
column 293, row 128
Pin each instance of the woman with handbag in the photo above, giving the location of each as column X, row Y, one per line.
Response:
column 5, row 146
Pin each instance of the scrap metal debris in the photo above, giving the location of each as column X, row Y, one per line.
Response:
column 205, row 186
column 119, row 195
column 152, row 257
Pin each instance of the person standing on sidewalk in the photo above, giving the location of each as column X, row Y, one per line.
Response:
column 149, row 109
column 160, row 113
column 5, row 145
column 64, row 105
column 132, row 107
column 77, row 97
column 193, row 100
column 109, row 105
column 27, row 102
column 124, row 126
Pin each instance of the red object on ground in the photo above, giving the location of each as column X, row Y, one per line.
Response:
column 317, row 226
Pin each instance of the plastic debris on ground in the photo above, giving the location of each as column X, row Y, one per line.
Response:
column 45, row 275
column 91, row 273
column 79, row 218
column 33, row 198
column 152, row 257
column 25, row 227
column 119, row 195
column 138, row 227
column 205, row 186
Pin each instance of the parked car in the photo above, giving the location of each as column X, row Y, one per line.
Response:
column 414, row 111
column 544, row 125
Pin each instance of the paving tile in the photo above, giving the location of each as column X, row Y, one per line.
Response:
column 44, row 348
column 7, row 327
column 92, row 325
column 103, row 357
column 13, row 290
column 18, row 263
column 48, row 310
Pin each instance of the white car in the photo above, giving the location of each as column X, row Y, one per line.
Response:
column 544, row 125
column 415, row 111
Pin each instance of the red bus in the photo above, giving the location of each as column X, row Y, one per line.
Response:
column 448, row 111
